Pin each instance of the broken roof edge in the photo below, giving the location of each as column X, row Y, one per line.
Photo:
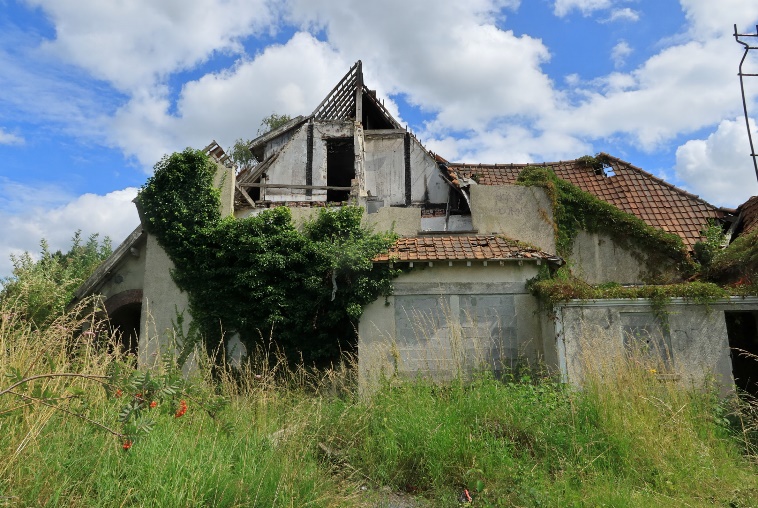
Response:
column 217, row 153
column 95, row 280
column 283, row 129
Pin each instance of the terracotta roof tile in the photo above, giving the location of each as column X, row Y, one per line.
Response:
column 462, row 248
column 630, row 189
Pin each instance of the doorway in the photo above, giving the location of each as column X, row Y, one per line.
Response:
column 742, row 330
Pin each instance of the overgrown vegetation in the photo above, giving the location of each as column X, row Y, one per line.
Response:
column 562, row 287
column 738, row 263
column 575, row 210
column 309, row 438
column 40, row 289
column 719, row 272
column 240, row 152
column 262, row 277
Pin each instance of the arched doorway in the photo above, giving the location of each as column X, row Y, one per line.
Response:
column 124, row 312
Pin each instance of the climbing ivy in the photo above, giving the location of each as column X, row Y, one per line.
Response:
column 575, row 210
column 260, row 276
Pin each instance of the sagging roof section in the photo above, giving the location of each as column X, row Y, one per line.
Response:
column 463, row 248
column 627, row 187
column 748, row 215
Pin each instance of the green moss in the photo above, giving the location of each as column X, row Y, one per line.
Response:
column 565, row 288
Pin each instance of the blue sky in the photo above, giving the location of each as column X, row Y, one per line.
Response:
column 93, row 93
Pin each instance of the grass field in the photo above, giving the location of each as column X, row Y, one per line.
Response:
column 291, row 437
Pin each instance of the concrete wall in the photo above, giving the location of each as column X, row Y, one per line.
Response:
column 442, row 320
column 291, row 164
column 518, row 212
column 289, row 167
column 426, row 182
column 402, row 221
column 597, row 258
column 128, row 274
column 692, row 349
column 384, row 165
column 160, row 303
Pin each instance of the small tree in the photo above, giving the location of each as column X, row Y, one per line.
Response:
column 41, row 289
column 273, row 122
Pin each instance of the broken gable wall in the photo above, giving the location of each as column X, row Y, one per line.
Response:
column 299, row 153
column 399, row 171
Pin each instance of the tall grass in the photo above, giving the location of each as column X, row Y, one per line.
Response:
column 310, row 438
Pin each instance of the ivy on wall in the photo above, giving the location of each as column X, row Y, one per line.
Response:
column 575, row 210
column 260, row 276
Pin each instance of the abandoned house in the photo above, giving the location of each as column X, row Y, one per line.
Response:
column 465, row 303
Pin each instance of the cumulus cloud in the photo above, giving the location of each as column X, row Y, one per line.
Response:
column 467, row 74
column 681, row 89
column 7, row 138
column 619, row 53
column 133, row 44
column 284, row 79
column 716, row 19
column 23, row 222
column 719, row 167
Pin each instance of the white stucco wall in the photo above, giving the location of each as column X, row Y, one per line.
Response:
column 597, row 258
column 518, row 212
column 384, row 165
column 161, row 301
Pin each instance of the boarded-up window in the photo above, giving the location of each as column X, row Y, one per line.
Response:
column 489, row 328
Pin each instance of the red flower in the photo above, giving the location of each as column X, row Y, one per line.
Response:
column 182, row 409
column 153, row 404
column 118, row 393
column 127, row 444
column 138, row 395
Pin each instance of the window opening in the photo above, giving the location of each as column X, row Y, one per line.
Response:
column 340, row 167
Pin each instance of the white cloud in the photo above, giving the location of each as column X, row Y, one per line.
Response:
column 708, row 18
column 286, row 79
column 134, row 44
column 624, row 14
column 681, row 89
column 23, row 223
column 619, row 53
column 449, row 58
column 7, row 138
column 563, row 7
column 719, row 168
